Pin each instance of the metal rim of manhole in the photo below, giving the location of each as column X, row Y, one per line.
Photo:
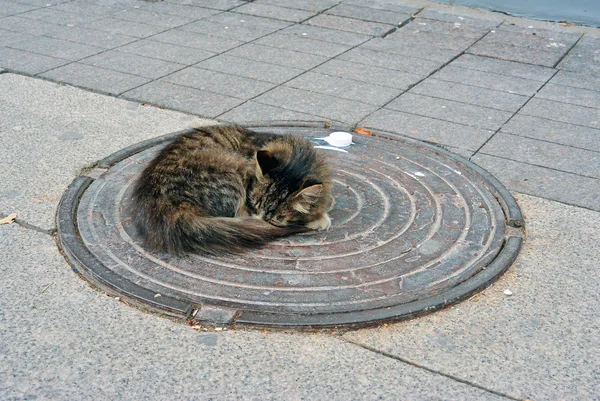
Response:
column 415, row 229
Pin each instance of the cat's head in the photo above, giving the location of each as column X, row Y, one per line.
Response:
column 293, row 187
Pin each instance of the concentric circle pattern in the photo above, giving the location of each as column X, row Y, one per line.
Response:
column 414, row 229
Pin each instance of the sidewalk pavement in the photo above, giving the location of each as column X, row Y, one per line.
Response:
column 518, row 97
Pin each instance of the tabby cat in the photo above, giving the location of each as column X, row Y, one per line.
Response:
column 223, row 189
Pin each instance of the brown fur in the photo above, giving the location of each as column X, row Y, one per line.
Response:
column 225, row 189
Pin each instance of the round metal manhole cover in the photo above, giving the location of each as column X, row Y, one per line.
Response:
column 414, row 229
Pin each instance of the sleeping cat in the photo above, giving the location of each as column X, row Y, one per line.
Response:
column 224, row 189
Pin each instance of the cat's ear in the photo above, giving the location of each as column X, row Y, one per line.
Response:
column 307, row 197
column 266, row 161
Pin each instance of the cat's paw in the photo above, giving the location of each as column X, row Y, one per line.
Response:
column 321, row 224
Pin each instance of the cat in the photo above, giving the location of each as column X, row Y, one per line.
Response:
column 226, row 189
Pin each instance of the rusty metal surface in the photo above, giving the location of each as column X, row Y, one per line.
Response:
column 413, row 230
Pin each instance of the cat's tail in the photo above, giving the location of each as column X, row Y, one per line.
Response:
column 217, row 235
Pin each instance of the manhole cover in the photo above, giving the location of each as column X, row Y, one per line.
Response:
column 414, row 229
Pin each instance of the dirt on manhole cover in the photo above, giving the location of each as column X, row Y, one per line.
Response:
column 415, row 228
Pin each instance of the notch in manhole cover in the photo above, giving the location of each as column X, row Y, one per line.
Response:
column 415, row 229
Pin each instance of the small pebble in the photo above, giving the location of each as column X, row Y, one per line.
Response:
column 157, row 295
column 117, row 299
column 508, row 292
column 218, row 329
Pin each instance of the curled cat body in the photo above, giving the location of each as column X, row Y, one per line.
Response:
column 226, row 189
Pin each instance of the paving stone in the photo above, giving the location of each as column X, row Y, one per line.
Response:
column 130, row 28
column 532, row 40
column 411, row 65
column 197, row 41
column 428, row 129
column 250, row 69
column 343, row 110
column 344, row 88
column 241, row 33
column 446, row 28
column 277, row 56
column 543, row 182
column 167, row 52
column 371, row 14
column 326, row 35
column 253, row 111
column 470, row 94
column 132, row 64
column 350, row 24
column 59, row 17
column 568, row 94
column 429, row 39
column 29, row 63
column 215, row 4
column 509, row 51
column 276, row 12
column 9, row 8
column 302, row 44
column 217, row 82
column 424, row 51
column 584, row 57
column 8, row 37
column 576, row 80
column 308, row 5
column 153, row 18
column 448, row 110
column 564, row 112
column 57, row 48
column 369, row 74
column 488, row 80
column 98, row 79
column 544, row 154
column 180, row 9
column 84, row 7
column 473, row 19
column 183, row 98
column 92, row 37
column 31, row 27
column 387, row 5
column 41, row 3
column 542, row 29
column 554, row 131
column 503, row 67
column 248, row 21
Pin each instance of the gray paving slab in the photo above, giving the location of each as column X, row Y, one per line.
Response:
column 571, row 95
column 241, row 33
column 272, row 55
column 29, row 63
column 114, row 25
column 398, row 47
column 371, row 14
column 272, row 73
column 344, row 88
column 132, row 64
column 50, row 132
column 8, row 37
column 576, row 80
column 95, row 78
column 470, row 94
column 196, row 40
column 554, row 131
column 411, row 65
column 552, row 42
column 325, row 106
column 57, row 48
column 302, row 44
column 59, row 17
column 86, row 8
column 350, row 24
column 538, row 343
column 448, row 110
column 183, row 98
column 248, row 21
column 274, row 11
column 430, row 39
column 10, row 8
column 153, row 18
column 522, row 54
column 406, row 7
column 489, row 80
column 432, row 130
column 94, row 347
column 92, row 37
column 369, row 74
column 583, row 57
column 253, row 111
column 326, row 35
column 181, row 9
column 558, row 111
column 471, row 18
column 450, row 29
column 308, row 5
column 217, row 82
column 503, row 67
column 214, row 4
column 16, row 23
column 166, row 51
column 550, row 30
column 545, row 154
